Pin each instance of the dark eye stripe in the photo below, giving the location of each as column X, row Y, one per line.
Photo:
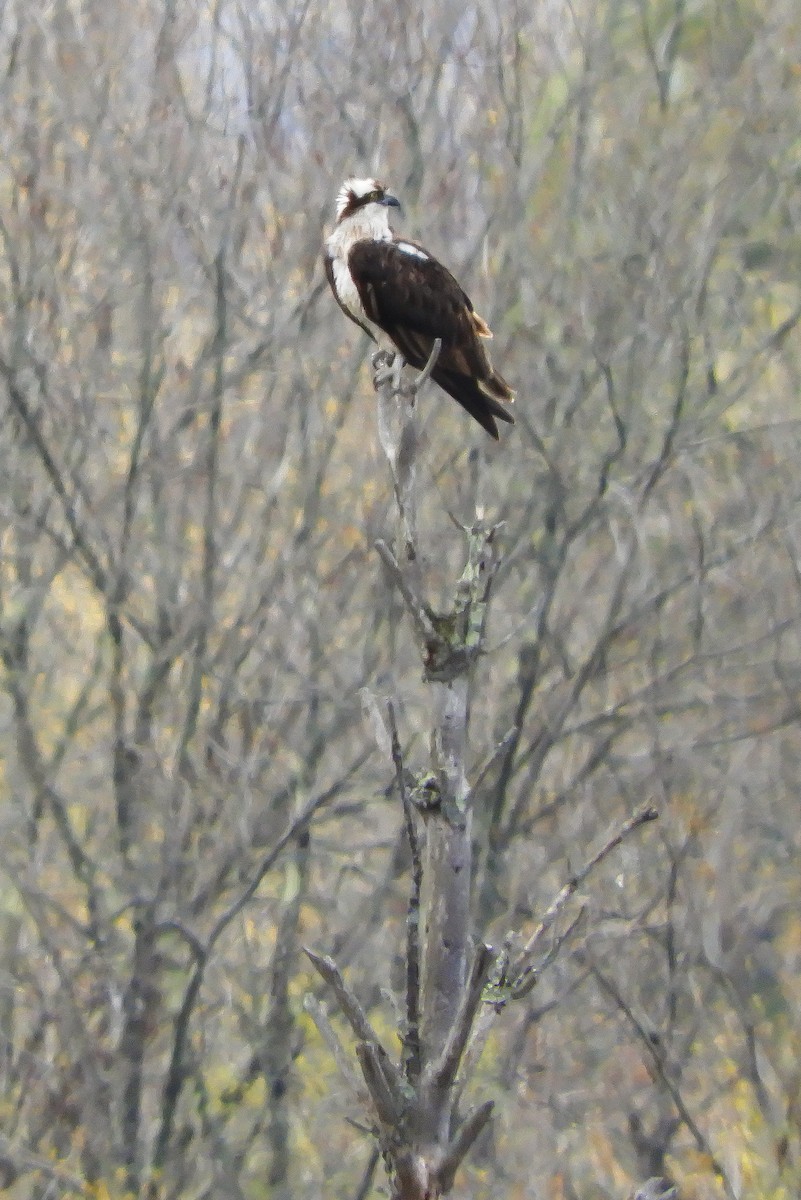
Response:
column 360, row 201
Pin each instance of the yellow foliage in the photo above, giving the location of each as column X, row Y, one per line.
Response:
column 101, row 1189
column 78, row 601
column 221, row 1081
column 260, row 934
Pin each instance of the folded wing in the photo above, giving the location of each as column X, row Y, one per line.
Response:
column 415, row 300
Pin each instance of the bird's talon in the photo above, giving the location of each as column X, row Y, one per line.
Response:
column 388, row 368
column 396, row 372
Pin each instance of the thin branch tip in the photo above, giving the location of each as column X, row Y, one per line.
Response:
column 317, row 960
column 429, row 367
column 462, row 1141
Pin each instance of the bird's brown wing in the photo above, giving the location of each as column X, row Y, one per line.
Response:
column 415, row 300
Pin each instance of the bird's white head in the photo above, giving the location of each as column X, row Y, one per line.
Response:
column 367, row 197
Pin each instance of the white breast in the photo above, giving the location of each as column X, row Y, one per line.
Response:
column 346, row 289
column 365, row 223
column 349, row 297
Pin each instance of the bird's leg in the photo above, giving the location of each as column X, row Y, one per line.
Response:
column 388, row 366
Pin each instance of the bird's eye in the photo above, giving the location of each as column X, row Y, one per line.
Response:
column 374, row 196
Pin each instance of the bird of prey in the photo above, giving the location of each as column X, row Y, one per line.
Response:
column 404, row 299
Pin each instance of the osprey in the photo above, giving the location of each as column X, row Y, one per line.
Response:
column 404, row 299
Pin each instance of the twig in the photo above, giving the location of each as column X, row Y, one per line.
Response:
column 176, row 1072
column 22, row 1159
column 417, row 610
column 466, row 1134
column 327, row 1032
column 269, row 860
column 381, row 1080
column 656, row 1058
column 348, row 1003
column 489, row 762
column 429, row 367
column 641, row 817
column 444, row 1070
column 384, row 1080
column 366, row 1185
column 529, row 976
column 95, row 569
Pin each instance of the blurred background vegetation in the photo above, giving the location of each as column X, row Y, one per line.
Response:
column 195, row 630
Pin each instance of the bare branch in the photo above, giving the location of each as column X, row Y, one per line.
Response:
column 642, row 816
column 443, row 1072
column 175, row 1077
column 416, row 608
column 655, row 1055
column 459, row 1146
column 327, row 1032
column 382, row 1083
column 429, row 367
column 528, row 978
column 366, row 1184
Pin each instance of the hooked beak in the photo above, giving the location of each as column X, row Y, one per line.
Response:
column 390, row 201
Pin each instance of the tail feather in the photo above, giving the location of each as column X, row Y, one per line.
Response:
column 495, row 385
column 476, row 398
